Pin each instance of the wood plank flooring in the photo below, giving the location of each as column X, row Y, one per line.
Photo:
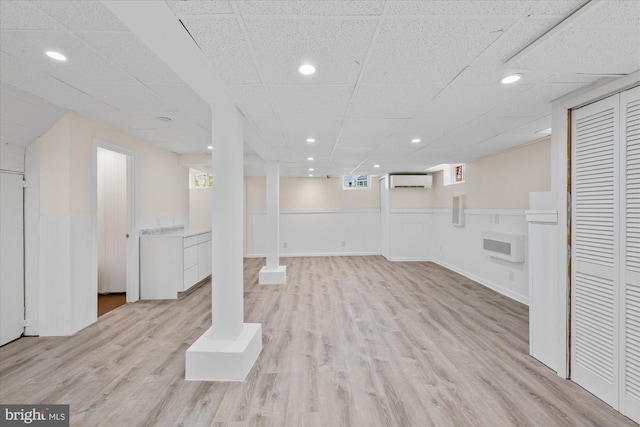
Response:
column 349, row 341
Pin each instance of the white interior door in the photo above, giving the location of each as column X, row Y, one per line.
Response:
column 12, row 259
column 605, row 347
column 630, row 292
column 595, row 248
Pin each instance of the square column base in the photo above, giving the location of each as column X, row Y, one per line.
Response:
column 210, row 360
column 273, row 277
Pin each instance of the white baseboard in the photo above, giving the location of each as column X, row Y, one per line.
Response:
column 487, row 283
column 300, row 255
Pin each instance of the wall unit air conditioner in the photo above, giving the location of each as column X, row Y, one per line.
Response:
column 503, row 246
column 416, row 181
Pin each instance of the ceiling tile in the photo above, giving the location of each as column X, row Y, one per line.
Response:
column 24, row 117
column 222, row 41
column 200, row 7
column 25, row 15
column 371, row 128
column 14, row 70
column 83, row 64
column 305, row 8
column 358, row 142
column 605, row 40
column 392, row 102
column 271, row 130
column 428, row 52
column 323, row 130
column 253, row 99
column 462, row 101
column 125, row 96
column 130, row 54
column 180, row 97
column 310, row 101
column 535, row 101
column 62, row 95
column 82, row 15
column 282, row 45
column 481, row 8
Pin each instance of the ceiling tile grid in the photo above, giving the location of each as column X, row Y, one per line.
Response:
column 428, row 52
column 312, row 8
column 281, row 46
column 221, row 39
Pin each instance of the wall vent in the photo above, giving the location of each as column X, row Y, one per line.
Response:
column 509, row 247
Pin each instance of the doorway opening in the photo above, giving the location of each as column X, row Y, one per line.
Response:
column 115, row 229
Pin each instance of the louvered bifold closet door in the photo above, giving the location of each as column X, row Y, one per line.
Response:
column 595, row 248
column 630, row 222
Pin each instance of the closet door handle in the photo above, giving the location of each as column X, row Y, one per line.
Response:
column 126, row 236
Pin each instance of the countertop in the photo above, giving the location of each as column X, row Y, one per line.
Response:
column 171, row 232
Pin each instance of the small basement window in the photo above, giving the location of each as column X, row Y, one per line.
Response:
column 453, row 174
column 356, row 182
column 199, row 179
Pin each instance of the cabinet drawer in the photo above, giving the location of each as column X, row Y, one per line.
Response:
column 190, row 257
column 190, row 277
column 204, row 237
column 190, row 241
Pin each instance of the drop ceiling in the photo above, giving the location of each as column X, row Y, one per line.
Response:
column 387, row 72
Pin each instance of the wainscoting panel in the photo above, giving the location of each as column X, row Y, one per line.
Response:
column 322, row 233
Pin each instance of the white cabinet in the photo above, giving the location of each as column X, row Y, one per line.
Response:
column 173, row 262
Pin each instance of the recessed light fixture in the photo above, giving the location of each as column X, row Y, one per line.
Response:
column 311, row 140
column 210, row 147
column 376, row 166
column 310, row 159
column 307, row 69
column 310, row 169
column 415, row 140
column 511, row 78
column 165, row 119
column 546, row 131
column 56, row 55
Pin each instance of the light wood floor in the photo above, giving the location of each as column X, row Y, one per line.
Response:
column 348, row 341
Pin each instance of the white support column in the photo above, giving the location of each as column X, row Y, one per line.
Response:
column 227, row 350
column 273, row 273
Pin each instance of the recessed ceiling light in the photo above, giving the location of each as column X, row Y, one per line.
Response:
column 210, row 147
column 311, row 140
column 512, row 78
column 310, row 169
column 415, row 140
column 546, row 131
column 165, row 119
column 56, row 55
column 307, row 69
column 310, row 159
column 376, row 166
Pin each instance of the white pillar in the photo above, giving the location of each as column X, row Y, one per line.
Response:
column 273, row 273
column 227, row 350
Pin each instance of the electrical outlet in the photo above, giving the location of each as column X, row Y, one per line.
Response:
column 284, row 245
column 511, row 276
column 344, row 243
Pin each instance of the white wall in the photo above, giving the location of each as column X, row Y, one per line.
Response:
column 301, row 196
column 200, row 208
column 418, row 220
column 322, row 233
column 11, row 158
column 66, row 282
